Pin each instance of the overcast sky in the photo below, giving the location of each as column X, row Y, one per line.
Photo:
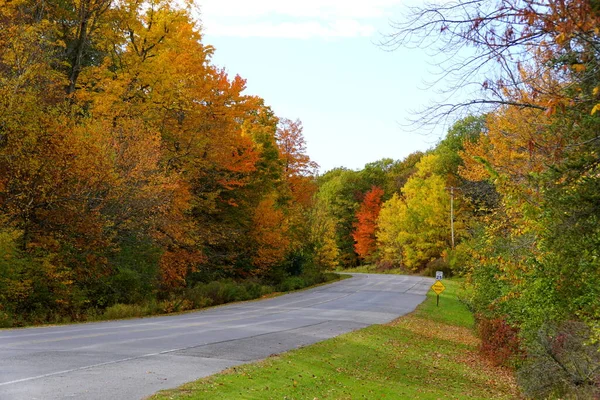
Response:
column 317, row 60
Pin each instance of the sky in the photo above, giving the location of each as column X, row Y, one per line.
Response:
column 318, row 61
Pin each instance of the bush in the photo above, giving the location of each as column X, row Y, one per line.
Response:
column 562, row 363
column 176, row 305
column 499, row 340
column 305, row 280
column 224, row 291
column 136, row 271
column 384, row 266
column 120, row 311
column 438, row 264
column 199, row 296
column 292, row 283
column 459, row 259
column 6, row 320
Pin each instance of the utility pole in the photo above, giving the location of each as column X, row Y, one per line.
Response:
column 452, row 188
column 452, row 214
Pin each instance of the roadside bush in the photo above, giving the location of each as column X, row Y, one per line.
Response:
column 499, row 340
column 292, row 283
column 199, row 296
column 458, row 259
column 6, row 320
column 224, row 291
column 562, row 363
column 120, row 311
column 438, row 264
column 310, row 278
column 384, row 266
column 176, row 305
column 136, row 271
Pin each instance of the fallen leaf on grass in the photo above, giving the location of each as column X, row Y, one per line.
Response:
column 431, row 329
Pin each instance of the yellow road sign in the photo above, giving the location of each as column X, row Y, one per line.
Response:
column 438, row 287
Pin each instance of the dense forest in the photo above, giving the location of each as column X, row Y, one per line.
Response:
column 135, row 173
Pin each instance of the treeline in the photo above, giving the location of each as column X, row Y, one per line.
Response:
column 397, row 213
column 525, row 176
column 133, row 171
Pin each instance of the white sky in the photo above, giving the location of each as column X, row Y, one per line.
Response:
column 316, row 60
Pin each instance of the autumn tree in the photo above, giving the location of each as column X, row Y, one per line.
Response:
column 415, row 228
column 298, row 168
column 366, row 223
column 322, row 236
column 401, row 171
column 339, row 190
column 512, row 46
column 270, row 235
column 391, row 234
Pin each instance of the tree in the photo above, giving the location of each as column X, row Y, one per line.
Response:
column 128, row 161
column 505, row 47
column 340, row 190
column 391, row 232
column 401, row 171
column 414, row 227
column 270, row 235
column 292, row 147
column 427, row 215
column 323, row 236
column 298, row 169
column 366, row 223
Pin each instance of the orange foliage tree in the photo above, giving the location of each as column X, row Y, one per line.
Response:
column 366, row 223
column 297, row 165
column 270, row 235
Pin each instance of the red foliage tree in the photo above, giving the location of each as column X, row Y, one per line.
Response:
column 366, row 224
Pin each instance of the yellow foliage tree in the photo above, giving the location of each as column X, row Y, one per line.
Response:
column 415, row 229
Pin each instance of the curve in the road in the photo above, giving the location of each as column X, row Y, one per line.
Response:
column 135, row 358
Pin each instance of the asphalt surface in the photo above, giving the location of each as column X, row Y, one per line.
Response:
column 132, row 359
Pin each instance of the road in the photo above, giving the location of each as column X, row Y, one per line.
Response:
column 131, row 359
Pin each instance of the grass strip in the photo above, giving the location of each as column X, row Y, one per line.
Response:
column 429, row 354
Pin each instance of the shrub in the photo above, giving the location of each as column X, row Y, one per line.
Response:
column 459, row 259
column 562, row 363
column 224, row 291
column 438, row 264
column 6, row 320
column 177, row 305
column 253, row 289
column 499, row 340
column 266, row 289
column 136, row 266
column 292, row 283
column 198, row 297
column 119, row 311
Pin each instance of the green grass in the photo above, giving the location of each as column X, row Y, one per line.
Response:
column 450, row 311
column 429, row 354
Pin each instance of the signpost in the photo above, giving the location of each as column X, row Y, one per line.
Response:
column 439, row 275
column 438, row 287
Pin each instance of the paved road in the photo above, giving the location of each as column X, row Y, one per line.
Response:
column 134, row 358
